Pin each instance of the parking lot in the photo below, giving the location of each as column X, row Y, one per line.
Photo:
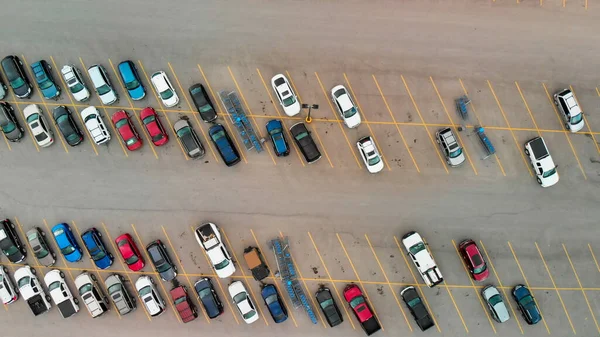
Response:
column 404, row 65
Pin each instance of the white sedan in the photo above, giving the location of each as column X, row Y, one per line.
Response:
column 151, row 298
column 242, row 300
column 370, row 154
column 345, row 106
column 38, row 126
column 75, row 83
column 165, row 89
column 286, row 96
column 209, row 238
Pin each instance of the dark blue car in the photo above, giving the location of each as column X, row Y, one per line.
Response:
column 131, row 80
column 44, row 79
column 224, row 145
column 527, row 305
column 66, row 242
column 273, row 302
column 209, row 298
column 280, row 144
column 92, row 240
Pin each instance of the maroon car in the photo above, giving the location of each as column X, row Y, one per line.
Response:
column 153, row 126
column 126, row 130
column 474, row 260
column 181, row 301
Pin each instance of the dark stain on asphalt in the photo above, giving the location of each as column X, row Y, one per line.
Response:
column 380, row 290
column 315, row 270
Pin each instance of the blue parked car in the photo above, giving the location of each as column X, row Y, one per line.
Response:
column 527, row 305
column 131, row 80
column 273, row 302
column 280, row 144
column 92, row 240
column 44, row 79
column 224, row 145
column 66, row 242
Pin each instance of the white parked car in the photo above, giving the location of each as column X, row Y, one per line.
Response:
column 209, row 238
column 95, row 125
column 8, row 294
column 75, row 83
column 450, row 147
column 345, row 106
column 60, row 293
column 541, row 161
column 32, row 291
column 243, row 302
column 151, row 298
column 421, row 257
column 570, row 110
column 370, row 154
column 102, row 84
column 285, row 95
column 38, row 126
column 91, row 294
column 165, row 89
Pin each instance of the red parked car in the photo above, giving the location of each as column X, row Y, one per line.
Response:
column 126, row 130
column 185, row 308
column 358, row 303
column 153, row 126
column 474, row 260
column 130, row 252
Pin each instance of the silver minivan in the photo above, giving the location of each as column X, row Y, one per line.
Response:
column 102, row 84
column 570, row 110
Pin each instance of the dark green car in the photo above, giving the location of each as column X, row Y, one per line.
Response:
column 65, row 123
column 9, row 123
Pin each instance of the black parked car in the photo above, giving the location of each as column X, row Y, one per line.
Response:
column 161, row 260
column 17, row 78
column 9, row 123
column 209, row 298
column 203, row 103
column 305, row 142
column 417, row 308
column 66, row 124
column 328, row 307
column 10, row 244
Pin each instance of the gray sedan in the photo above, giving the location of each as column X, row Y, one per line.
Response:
column 41, row 250
column 495, row 303
column 188, row 139
column 119, row 294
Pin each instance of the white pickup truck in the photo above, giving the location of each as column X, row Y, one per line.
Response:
column 541, row 160
column 61, row 294
column 418, row 252
column 32, row 291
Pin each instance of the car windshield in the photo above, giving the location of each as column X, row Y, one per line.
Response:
column 132, row 85
column 302, row 135
column 85, row 288
column 67, row 250
column 163, row 267
column 8, row 127
column 54, row 285
column 326, row 303
column 180, row 300
column 23, row 281
column 10, row 250
column 357, row 301
column 145, row 291
column 271, row 299
column 249, row 314
column 576, row 119
column 412, row 303
column 495, row 300
column 98, row 254
column 222, row 264
column 549, row 173
column 166, row 94
column 62, row 119
column 275, row 131
column 417, row 248
column 480, row 270
column 350, row 112
column 375, row 160
column 455, row 153
column 204, row 293
column 121, row 123
column 103, row 89
column 218, row 135
column 114, row 288
column 40, row 252
column 17, row 83
column 46, row 84
column 205, row 108
column 239, row 297
column 76, row 88
column 289, row 101
column 32, row 118
column 526, row 300
column 183, row 131
column 133, row 259
column 149, row 119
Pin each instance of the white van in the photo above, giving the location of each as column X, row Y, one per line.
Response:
column 102, row 84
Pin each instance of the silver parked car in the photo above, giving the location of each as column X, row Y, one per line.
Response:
column 43, row 253
column 450, row 147
column 119, row 294
column 188, row 139
column 91, row 294
column 495, row 303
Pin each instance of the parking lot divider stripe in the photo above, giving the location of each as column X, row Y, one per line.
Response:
column 362, row 286
column 587, row 301
column 433, row 143
column 68, row 94
column 526, row 282
column 594, row 257
column 159, row 281
column 511, row 130
column 331, row 280
column 244, row 274
column 112, row 125
column 340, row 124
column 453, row 125
column 279, row 114
column 191, row 289
column 367, row 122
column 222, row 111
column 48, row 112
column 194, row 113
column 388, row 282
column 477, row 294
column 554, row 285
column 250, row 112
column 395, row 123
column 585, row 119
column 527, row 107
column 217, row 280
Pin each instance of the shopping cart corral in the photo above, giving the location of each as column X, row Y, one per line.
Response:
column 461, row 106
column 485, row 142
column 238, row 117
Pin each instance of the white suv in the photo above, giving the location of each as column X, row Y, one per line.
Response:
column 541, row 160
column 421, row 257
column 102, row 84
column 93, row 122
column 571, row 111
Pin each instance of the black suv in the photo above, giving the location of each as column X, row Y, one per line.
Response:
column 161, row 260
column 328, row 307
column 13, row 69
column 417, row 308
column 305, row 142
column 9, row 123
column 209, row 298
column 10, row 244
column 65, row 123
column 202, row 102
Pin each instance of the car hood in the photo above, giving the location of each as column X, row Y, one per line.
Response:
column 22, row 91
column 104, row 262
column 293, row 109
column 137, row 93
column 457, row 160
column 169, row 274
column 50, row 92
column 109, row 98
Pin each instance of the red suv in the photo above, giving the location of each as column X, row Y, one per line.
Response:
column 130, row 252
column 474, row 260
column 185, row 308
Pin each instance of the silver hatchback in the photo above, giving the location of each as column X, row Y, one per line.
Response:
column 43, row 253
column 495, row 303
column 119, row 294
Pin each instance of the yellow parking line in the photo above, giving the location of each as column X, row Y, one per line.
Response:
column 367, row 122
column 526, row 282
column 388, row 282
column 435, row 147
column 336, row 117
column 396, row 124
column 364, row 290
column 272, row 277
column 182, row 269
column 487, row 314
column 61, row 255
column 48, row 112
column 586, row 121
column 250, row 111
column 279, row 114
column 511, row 131
column 587, row 301
column 597, row 91
column 330, row 279
column 159, row 281
column 487, row 257
column 183, row 93
column 594, row 257
column 527, row 107
column 223, row 113
column 453, row 125
column 554, row 285
column 565, row 133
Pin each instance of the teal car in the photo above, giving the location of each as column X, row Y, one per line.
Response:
column 44, row 80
